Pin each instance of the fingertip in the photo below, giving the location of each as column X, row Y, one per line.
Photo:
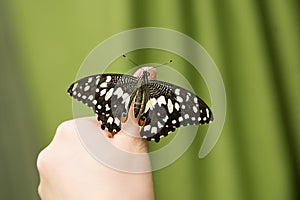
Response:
column 151, row 70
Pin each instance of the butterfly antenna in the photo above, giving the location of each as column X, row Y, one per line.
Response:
column 163, row 64
column 130, row 60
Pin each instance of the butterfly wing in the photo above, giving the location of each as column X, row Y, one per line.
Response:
column 107, row 94
column 170, row 107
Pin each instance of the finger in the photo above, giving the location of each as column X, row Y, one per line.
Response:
column 151, row 70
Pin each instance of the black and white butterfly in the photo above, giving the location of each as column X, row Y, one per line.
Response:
column 160, row 107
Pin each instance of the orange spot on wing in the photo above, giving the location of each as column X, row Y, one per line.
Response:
column 109, row 135
column 142, row 122
column 123, row 117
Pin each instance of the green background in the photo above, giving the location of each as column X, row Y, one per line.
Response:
column 255, row 44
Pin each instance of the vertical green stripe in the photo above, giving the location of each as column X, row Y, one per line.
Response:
column 18, row 145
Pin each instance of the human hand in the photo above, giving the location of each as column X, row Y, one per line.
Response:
column 68, row 171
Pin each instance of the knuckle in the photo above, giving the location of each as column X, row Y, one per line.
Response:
column 40, row 190
column 64, row 130
column 44, row 157
column 41, row 162
column 64, row 126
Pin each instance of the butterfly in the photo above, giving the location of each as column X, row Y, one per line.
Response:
column 159, row 106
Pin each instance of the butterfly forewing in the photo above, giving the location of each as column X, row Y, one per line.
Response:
column 192, row 108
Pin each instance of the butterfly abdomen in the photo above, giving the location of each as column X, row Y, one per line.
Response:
column 140, row 100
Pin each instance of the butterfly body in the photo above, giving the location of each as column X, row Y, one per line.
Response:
column 140, row 96
column 160, row 107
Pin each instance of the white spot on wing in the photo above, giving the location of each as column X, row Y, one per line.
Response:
column 195, row 109
column 125, row 96
column 103, row 85
column 186, row 116
column 165, row 119
column 110, row 120
column 97, row 81
column 177, row 91
column 180, row 119
column 159, row 125
column 118, row 92
column 90, row 80
column 102, row 92
column 207, row 112
column 117, row 121
column 95, row 101
column 161, row 100
column 195, row 99
column 126, row 102
column 147, row 128
column 150, row 104
column 108, row 94
column 108, row 79
column 177, row 106
column 86, row 88
column 179, row 99
column 170, row 106
column 154, row 130
column 187, row 98
column 74, row 86
column 91, row 97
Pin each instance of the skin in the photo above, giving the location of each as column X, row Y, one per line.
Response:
column 68, row 171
